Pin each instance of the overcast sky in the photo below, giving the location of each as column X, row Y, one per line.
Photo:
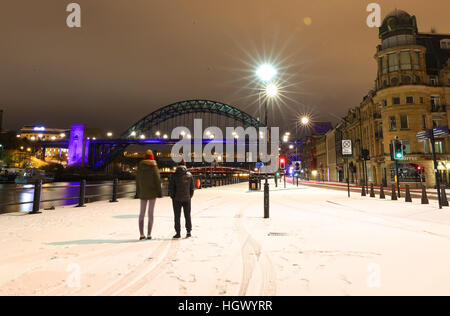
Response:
column 133, row 56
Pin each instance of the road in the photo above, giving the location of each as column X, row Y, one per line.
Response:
column 317, row 242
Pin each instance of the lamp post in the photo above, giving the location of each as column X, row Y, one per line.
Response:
column 266, row 73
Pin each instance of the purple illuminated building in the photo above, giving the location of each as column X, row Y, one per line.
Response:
column 76, row 146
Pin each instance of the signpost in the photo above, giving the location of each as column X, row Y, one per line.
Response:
column 347, row 152
column 432, row 134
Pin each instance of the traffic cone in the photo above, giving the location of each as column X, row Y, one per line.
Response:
column 408, row 194
column 382, row 195
column 444, row 196
column 424, row 196
column 363, row 191
column 394, row 194
column 372, row 191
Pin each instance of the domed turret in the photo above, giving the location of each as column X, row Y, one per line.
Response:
column 398, row 22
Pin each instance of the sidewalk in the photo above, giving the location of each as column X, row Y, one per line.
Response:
column 317, row 242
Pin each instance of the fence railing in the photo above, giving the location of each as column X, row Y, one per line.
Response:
column 81, row 197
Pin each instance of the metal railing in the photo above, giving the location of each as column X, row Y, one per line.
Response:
column 82, row 198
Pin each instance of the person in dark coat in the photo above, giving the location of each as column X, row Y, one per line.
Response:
column 181, row 190
column 148, row 188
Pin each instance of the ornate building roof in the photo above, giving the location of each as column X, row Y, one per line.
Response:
column 398, row 22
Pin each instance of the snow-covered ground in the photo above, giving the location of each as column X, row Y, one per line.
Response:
column 317, row 241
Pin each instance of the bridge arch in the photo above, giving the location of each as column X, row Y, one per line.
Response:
column 102, row 157
column 183, row 108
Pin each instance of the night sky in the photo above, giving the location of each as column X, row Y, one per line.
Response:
column 133, row 56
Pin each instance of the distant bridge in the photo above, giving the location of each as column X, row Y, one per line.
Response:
column 97, row 154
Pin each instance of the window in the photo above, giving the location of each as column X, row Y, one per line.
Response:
column 393, row 123
column 421, row 100
column 404, row 121
column 424, row 122
column 445, row 43
column 433, row 80
column 384, row 65
column 393, row 62
column 405, row 60
column 406, row 146
column 396, row 100
column 410, row 100
column 385, row 103
column 426, row 148
column 437, row 121
column 435, row 100
column 439, row 147
column 415, row 57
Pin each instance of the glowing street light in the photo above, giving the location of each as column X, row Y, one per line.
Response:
column 133, row 134
column 109, row 134
column 165, row 136
column 158, row 133
column 271, row 90
column 142, row 136
column 304, row 120
column 266, row 72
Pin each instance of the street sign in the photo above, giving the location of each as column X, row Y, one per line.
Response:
column 259, row 165
column 347, row 148
column 438, row 132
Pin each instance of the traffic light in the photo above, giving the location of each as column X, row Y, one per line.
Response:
column 365, row 154
column 419, row 168
column 398, row 149
column 298, row 166
column 282, row 163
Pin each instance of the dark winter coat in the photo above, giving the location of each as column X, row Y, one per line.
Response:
column 148, row 182
column 181, row 185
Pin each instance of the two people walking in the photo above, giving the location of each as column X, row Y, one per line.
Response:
column 148, row 188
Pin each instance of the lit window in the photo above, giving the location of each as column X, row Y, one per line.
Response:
column 439, row 147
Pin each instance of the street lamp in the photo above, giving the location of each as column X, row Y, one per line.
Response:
column 304, row 120
column 266, row 73
column 109, row 134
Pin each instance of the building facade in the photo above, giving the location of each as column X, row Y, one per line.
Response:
column 411, row 94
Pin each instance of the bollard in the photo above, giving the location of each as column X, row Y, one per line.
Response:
column 444, row 196
column 266, row 200
column 284, row 181
column 37, row 198
column 372, row 191
column 115, row 187
column 363, row 191
column 424, row 196
column 408, row 198
column 394, row 194
column 297, row 181
column 82, row 196
column 276, row 181
column 382, row 195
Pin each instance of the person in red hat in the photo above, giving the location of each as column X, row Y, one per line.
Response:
column 148, row 189
column 181, row 190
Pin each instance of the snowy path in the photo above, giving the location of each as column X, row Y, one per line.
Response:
column 317, row 242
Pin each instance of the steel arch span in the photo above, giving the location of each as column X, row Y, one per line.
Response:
column 188, row 107
column 101, row 158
